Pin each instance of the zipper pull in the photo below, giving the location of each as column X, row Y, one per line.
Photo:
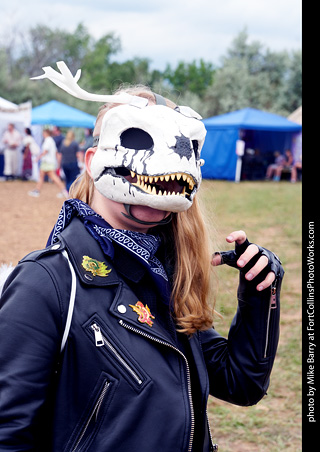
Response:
column 273, row 301
column 97, row 335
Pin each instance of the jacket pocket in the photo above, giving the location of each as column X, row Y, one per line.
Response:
column 89, row 424
column 115, row 353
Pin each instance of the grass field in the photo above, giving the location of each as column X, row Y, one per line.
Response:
column 270, row 213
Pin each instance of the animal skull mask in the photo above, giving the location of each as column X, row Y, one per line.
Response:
column 147, row 155
column 158, row 147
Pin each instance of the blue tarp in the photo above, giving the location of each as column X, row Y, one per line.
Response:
column 266, row 132
column 58, row 114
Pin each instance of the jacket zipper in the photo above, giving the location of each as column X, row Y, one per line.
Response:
column 94, row 413
column 213, row 447
column 159, row 341
column 272, row 305
column 101, row 340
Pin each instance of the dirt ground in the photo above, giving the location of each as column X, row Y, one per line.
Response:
column 26, row 222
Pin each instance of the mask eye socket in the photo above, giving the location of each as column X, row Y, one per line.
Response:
column 135, row 138
column 195, row 145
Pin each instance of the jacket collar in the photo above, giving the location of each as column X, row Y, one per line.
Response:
column 81, row 245
column 81, row 248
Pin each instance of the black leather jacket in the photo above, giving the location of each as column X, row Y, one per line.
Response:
column 119, row 385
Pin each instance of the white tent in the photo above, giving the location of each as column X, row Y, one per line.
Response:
column 296, row 116
column 19, row 115
column 10, row 112
column 6, row 104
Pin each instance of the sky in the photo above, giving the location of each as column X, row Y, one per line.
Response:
column 165, row 31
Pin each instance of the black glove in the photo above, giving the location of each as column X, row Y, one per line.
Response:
column 231, row 257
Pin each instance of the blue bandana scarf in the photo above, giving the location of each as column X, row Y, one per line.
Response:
column 142, row 246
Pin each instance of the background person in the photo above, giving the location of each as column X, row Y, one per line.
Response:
column 297, row 165
column 285, row 165
column 12, row 141
column 27, row 163
column 68, row 157
column 272, row 168
column 57, row 136
column 30, row 143
column 85, row 144
column 48, row 165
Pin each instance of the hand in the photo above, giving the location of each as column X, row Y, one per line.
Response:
column 242, row 256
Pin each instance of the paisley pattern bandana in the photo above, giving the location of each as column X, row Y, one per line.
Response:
column 142, row 246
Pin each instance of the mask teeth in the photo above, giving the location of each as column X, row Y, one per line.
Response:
column 144, row 182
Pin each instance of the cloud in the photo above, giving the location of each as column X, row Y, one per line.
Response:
column 168, row 30
column 201, row 29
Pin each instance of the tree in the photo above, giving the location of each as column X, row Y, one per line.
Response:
column 194, row 77
column 43, row 46
column 292, row 88
column 249, row 74
column 252, row 76
column 132, row 72
column 96, row 61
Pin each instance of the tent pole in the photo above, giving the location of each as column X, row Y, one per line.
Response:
column 238, row 169
column 240, row 145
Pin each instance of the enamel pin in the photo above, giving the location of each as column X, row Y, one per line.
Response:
column 97, row 268
column 144, row 313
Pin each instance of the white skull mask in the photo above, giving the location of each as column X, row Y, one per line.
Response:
column 157, row 146
column 149, row 156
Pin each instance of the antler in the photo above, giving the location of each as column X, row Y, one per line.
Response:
column 68, row 83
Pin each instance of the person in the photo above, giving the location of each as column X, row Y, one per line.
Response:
column 272, row 168
column 12, row 141
column 68, row 156
column 285, row 165
column 48, row 165
column 113, row 321
column 85, row 144
column 27, row 163
column 31, row 152
column 57, row 136
column 297, row 165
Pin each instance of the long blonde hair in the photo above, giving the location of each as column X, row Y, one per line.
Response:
column 192, row 269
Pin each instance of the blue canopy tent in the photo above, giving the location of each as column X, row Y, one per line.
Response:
column 58, row 114
column 265, row 132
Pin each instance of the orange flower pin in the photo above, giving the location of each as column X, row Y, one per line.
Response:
column 143, row 312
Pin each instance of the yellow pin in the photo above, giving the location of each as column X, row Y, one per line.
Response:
column 97, row 268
